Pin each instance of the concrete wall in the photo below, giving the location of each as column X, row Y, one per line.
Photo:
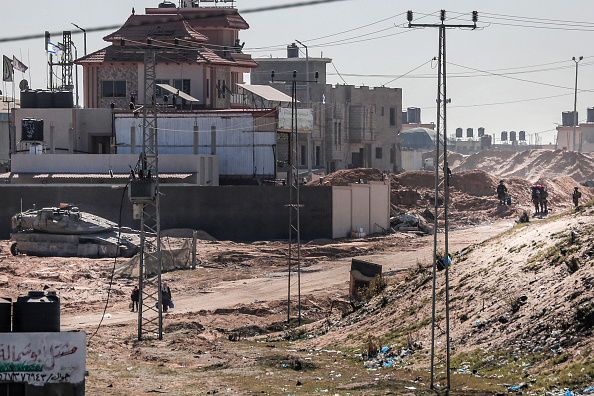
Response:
column 84, row 123
column 239, row 213
column 411, row 160
column 204, row 166
column 364, row 206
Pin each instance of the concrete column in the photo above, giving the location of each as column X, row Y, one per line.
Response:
column 213, row 140
column 196, row 140
column 52, row 141
column 132, row 140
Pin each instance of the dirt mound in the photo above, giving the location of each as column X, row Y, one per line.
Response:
column 345, row 176
column 530, row 164
column 472, row 193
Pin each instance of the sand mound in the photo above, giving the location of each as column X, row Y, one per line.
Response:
column 472, row 193
column 530, row 164
column 346, row 176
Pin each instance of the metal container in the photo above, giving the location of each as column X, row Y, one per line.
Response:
column 292, row 51
column 45, row 99
column 28, row 99
column 590, row 114
column 36, row 312
column 63, row 100
column 414, row 115
column 5, row 314
column 567, row 118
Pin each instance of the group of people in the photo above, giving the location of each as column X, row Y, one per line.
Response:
column 538, row 198
column 165, row 298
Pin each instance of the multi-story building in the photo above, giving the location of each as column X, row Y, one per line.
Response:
column 352, row 126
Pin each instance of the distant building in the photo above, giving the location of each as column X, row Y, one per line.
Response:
column 580, row 138
column 353, row 126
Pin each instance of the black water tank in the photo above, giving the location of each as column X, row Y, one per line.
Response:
column 36, row 312
column 28, row 99
column 469, row 132
column 590, row 114
column 63, row 100
column 459, row 132
column 512, row 136
column 5, row 314
column 31, row 130
column 292, row 51
column 481, row 132
column 167, row 4
column 504, row 135
column 567, row 118
column 45, row 99
column 522, row 135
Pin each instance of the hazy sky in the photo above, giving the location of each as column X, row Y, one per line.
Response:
column 513, row 73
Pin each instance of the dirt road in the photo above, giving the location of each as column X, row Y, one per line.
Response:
column 326, row 277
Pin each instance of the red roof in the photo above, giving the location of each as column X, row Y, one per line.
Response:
column 116, row 53
column 211, row 17
column 159, row 27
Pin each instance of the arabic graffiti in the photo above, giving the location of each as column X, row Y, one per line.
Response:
column 38, row 358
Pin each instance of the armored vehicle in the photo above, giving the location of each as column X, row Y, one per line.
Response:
column 65, row 231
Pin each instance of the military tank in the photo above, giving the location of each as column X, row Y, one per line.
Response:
column 65, row 231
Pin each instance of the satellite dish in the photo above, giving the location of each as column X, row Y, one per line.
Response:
column 24, row 85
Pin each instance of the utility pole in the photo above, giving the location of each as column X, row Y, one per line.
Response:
column 441, row 186
column 575, row 117
column 308, row 103
column 294, row 200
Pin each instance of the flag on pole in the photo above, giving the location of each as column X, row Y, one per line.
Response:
column 7, row 69
column 17, row 64
column 52, row 48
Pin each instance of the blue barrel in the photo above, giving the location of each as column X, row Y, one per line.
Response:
column 5, row 314
column 36, row 312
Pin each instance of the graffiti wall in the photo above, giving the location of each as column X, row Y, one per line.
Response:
column 43, row 358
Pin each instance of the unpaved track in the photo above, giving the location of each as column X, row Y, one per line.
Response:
column 325, row 277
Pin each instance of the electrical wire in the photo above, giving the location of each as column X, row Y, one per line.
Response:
column 115, row 260
column 405, row 74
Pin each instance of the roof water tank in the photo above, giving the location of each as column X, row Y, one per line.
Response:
column 458, row 132
column 481, row 132
column 512, row 136
column 63, row 100
column 486, row 141
column 567, row 118
column 31, row 130
column 414, row 115
column 45, row 99
column 404, row 117
column 504, row 136
column 28, row 99
column 166, row 4
column 292, row 51
column 469, row 132
column 5, row 314
column 590, row 114
column 522, row 135
column 36, row 312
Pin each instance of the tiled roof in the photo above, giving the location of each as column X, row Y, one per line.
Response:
column 211, row 17
column 164, row 27
column 115, row 53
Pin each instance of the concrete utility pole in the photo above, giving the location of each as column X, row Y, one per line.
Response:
column 575, row 117
column 441, row 186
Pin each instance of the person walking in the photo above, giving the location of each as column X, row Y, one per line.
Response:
column 543, row 200
column 134, row 297
column 536, row 198
column 501, row 193
column 576, row 196
column 165, row 296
